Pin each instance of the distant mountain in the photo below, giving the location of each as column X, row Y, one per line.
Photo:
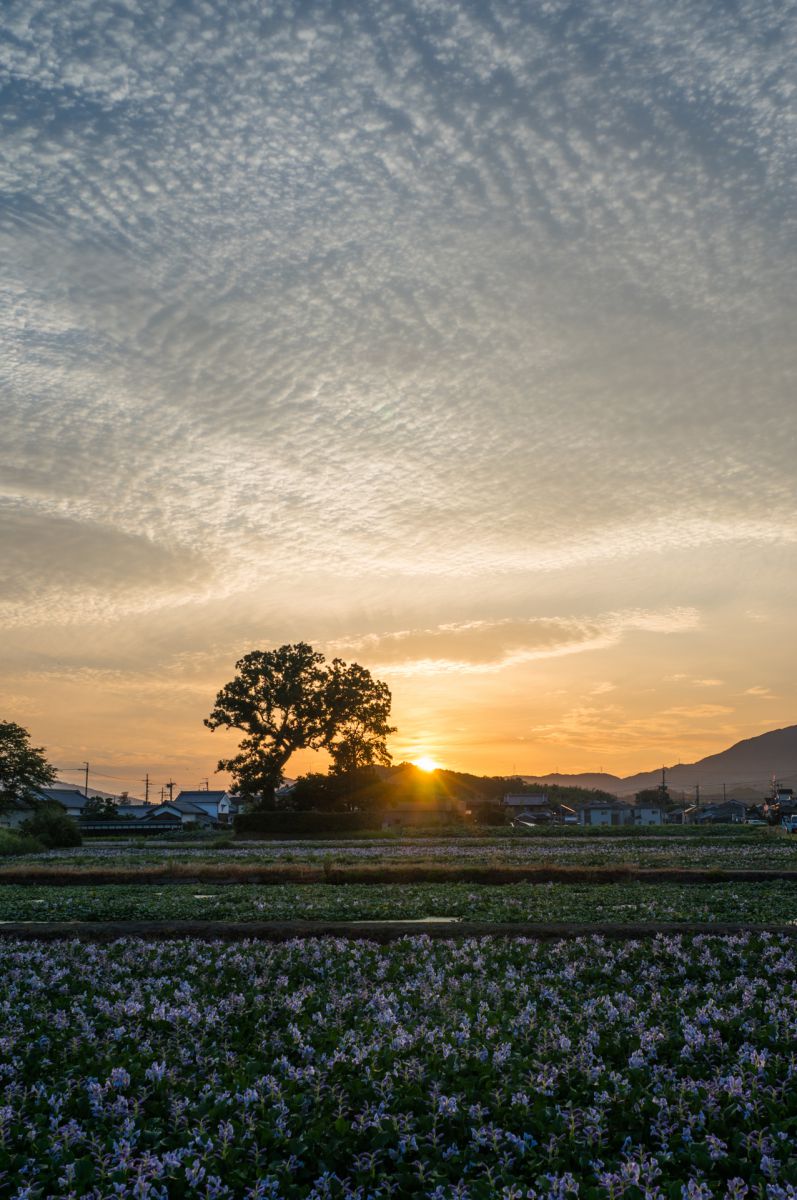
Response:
column 597, row 780
column 745, row 768
column 78, row 787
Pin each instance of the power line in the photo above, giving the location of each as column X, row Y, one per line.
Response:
column 100, row 774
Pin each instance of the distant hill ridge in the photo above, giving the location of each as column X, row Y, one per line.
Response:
column 745, row 768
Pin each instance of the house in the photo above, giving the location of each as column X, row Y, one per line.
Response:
column 71, row 800
column 599, row 812
column 782, row 803
column 133, row 812
column 728, row 812
column 648, row 813
column 180, row 814
column 220, row 806
column 520, row 803
column 13, row 812
column 682, row 816
column 529, row 809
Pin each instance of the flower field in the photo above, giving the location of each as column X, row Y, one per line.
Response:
column 761, row 903
column 758, row 848
column 326, row 1068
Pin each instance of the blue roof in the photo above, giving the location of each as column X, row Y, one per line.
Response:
column 67, row 796
column 201, row 796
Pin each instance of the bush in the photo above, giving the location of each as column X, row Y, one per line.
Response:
column 303, row 824
column 53, row 828
column 12, row 843
column 489, row 814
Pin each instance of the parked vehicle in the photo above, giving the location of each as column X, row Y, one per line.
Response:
column 790, row 823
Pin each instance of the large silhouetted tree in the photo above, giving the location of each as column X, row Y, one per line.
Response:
column 23, row 767
column 360, row 711
column 289, row 699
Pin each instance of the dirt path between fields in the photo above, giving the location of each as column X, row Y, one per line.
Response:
column 376, row 931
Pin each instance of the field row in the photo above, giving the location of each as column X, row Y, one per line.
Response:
column 767, row 903
column 764, row 849
column 335, row 1069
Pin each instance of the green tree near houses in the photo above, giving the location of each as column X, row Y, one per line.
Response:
column 290, row 699
column 23, row 767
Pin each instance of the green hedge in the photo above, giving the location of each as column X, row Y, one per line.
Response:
column 52, row 827
column 304, row 824
column 12, row 842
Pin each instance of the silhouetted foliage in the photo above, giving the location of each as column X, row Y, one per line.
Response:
column 571, row 796
column 359, row 710
column 100, row 808
column 23, row 767
column 656, row 795
column 301, row 824
column 13, row 842
column 361, row 790
column 288, row 699
column 52, row 827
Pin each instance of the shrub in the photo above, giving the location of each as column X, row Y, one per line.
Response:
column 53, row 828
column 302, row 824
column 488, row 814
column 12, row 843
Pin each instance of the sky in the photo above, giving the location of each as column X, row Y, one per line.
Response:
column 454, row 338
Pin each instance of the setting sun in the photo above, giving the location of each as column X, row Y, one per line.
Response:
column 426, row 763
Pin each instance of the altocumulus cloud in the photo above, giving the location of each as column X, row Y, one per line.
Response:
column 423, row 288
column 482, row 647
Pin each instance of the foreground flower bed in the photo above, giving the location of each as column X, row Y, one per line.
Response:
column 751, row 903
column 329, row 1068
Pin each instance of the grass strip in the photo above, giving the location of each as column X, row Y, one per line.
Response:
column 584, row 903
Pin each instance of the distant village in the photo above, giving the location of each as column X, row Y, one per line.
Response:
column 419, row 805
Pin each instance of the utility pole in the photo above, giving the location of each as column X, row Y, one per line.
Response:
column 170, row 786
column 86, row 784
column 724, row 794
column 697, row 794
column 162, row 791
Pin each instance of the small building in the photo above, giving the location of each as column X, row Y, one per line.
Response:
column 220, row 806
column 731, row 812
column 14, row 811
column 648, row 814
column 133, row 812
column 518, row 802
column 605, row 812
column 71, row 800
column 179, row 814
column 532, row 809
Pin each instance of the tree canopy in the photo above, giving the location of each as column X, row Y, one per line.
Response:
column 23, row 767
column 359, row 710
column 100, row 808
column 290, row 699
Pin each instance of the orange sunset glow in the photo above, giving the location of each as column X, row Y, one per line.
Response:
column 457, row 346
